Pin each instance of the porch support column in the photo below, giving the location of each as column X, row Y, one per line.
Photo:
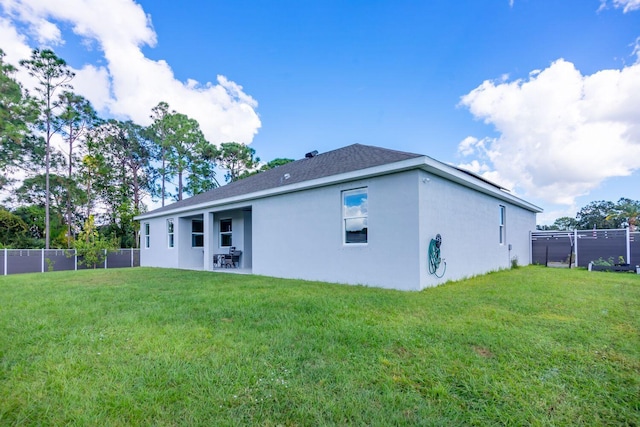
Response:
column 208, row 230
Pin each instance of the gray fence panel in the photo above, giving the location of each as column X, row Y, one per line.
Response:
column 550, row 247
column 605, row 244
column 59, row 260
column 119, row 259
column 589, row 245
column 634, row 246
column 31, row 261
column 24, row 261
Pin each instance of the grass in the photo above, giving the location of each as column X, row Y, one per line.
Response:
column 529, row 346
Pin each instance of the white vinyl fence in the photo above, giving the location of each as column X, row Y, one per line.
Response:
column 14, row 261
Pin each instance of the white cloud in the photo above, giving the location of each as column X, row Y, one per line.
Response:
column 93, row 83
column 549, row 217
column 471, row 145
column 625, row 5
column 467, row 146
column 14, row 45
column 130, row 84
column 561, row 133
column 476, row 167
column 636, row 48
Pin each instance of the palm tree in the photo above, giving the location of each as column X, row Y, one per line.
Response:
column 626, row 211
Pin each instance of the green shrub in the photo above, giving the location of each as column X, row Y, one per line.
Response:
column 13, row 230
column 604, row 263
column 91, row 246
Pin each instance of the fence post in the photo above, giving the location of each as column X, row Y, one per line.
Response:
column 131, row 257
column 5, row 261
column 105, row 259
column 575, row 244
column 628, row 247
column 42, row 262
column 571, row 249
column 546, row 255
column 75, row 259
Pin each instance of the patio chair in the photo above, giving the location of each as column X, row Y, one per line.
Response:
column 228, row 261
column 234, row 256
column 218, row 260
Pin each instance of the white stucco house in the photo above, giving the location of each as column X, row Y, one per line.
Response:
column 356, row 215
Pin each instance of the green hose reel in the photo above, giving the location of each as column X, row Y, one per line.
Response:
column 434, row 257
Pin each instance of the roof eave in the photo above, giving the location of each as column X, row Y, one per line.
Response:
column 453, row 174
column 305, row 185
column 424, row 162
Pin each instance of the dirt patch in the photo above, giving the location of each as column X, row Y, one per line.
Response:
column 482, row 351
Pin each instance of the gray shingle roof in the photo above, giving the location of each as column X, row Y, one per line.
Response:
column 348, row 159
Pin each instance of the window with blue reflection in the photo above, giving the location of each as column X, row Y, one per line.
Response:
column 355, row 216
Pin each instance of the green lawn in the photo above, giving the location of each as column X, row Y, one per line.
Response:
column 530, row 346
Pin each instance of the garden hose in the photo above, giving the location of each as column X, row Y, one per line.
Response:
column 434, row 257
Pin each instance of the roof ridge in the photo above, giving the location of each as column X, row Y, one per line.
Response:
column 391, row 150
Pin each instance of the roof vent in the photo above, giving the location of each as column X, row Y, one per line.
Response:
column 311, row 154
column 284, row 177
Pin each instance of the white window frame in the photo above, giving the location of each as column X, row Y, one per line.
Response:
column 171, row 226
column 502, row 224
column 226, row 233
column 147, row 235
column 197, row 233
column 346, row 217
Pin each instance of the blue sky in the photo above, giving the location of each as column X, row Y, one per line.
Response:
column 540, row 96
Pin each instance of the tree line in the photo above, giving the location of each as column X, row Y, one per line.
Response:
column 601, row 215
column 88, row 190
